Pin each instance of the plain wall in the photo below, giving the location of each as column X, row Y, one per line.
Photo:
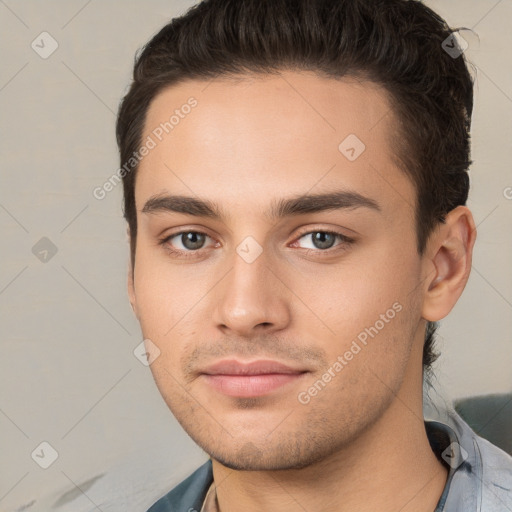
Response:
column 68, row 375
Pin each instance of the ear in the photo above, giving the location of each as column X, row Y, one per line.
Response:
column 450, row 249
column 130, row 281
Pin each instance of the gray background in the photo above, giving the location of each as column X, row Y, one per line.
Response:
column 68, row 375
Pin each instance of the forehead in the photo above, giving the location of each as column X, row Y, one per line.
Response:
column 247, row 138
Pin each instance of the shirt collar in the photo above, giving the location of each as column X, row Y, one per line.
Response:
column 456, row 446
column 210, row 501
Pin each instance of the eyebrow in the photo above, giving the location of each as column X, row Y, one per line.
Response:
column 299, row 205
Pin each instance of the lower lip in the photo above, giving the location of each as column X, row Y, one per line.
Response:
column 245, row 386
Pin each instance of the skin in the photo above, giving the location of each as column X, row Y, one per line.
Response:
column 359, row 443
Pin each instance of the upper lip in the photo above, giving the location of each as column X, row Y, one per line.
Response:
column 259, row 367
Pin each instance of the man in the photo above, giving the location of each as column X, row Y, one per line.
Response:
column 295, row 179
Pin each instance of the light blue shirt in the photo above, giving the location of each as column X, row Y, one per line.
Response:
column 480, row 476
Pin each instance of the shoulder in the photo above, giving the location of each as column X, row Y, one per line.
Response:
column 481, row 473
column 189, row 495
column 496, row 476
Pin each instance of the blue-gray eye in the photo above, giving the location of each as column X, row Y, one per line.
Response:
column 192, row 240
column 321, row 239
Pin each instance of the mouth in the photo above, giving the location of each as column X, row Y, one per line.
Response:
column 244, row 380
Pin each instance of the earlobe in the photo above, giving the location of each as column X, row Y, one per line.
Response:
column 451, row 251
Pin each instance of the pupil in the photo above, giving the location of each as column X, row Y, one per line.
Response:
column 192, row 240
column 323, row 240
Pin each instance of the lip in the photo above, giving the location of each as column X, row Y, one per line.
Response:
column 250, row 379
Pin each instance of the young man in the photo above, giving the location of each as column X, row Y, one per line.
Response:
column 295, row 175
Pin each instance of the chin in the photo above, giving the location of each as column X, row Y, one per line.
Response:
column 250, row 457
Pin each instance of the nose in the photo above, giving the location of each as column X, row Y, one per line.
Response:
column 251, row 300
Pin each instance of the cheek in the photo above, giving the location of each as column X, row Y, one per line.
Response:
column 352, row 295
column 371, row 313
column 155, row 305
column 163, row 292
column 172, row 302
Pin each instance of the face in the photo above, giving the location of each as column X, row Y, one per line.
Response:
column 280, row 285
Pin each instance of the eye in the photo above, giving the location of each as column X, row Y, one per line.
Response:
column 323, row 240
column 185, row 241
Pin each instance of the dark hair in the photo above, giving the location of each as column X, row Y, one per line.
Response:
column 395, row 43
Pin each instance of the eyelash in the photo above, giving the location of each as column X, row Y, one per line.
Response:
column 345, row 243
